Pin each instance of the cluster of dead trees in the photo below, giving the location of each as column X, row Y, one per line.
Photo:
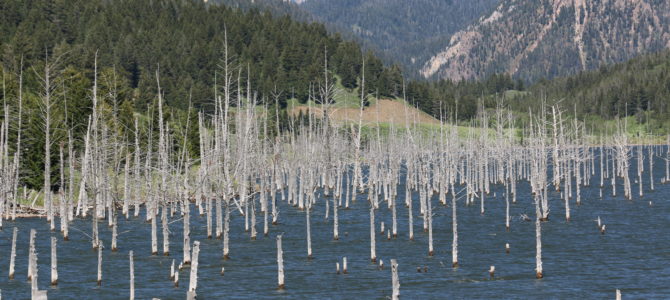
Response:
column 242, row 170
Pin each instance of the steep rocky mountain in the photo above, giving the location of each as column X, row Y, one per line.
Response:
column 549, row 38
column 402, row 31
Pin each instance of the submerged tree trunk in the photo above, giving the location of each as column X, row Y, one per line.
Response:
column 187, row 232
column 166, row 231
column 12, row 257
column 54, row 262
column 100, row 264
column 193, row 283
column 132, row 275
column 280, row 264
column 538, row 241
column 226, row 229
column 395, row 281
column 454, row 230
column 373, row 251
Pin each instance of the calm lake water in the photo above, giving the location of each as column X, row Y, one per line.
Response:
column 579, row 262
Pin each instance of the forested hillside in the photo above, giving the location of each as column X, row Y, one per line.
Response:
column 549, row 38
column 408, row 32
column 182, row 42
column 531, row 40
column 186, row 38
column 638, row 88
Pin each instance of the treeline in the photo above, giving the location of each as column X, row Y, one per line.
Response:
column 458, row 100
column 638, row 88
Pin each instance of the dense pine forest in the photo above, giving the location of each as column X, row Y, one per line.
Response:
column 186, row 39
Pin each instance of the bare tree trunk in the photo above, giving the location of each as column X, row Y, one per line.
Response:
column 17, row 155
column 226, row 229
column 31, row 259
column 373, row 251
column 507, row 205
column 132, row 275
column 187, row 233
column 137, row 172
column 429, row 211
column 54, row 262
column 275, row 212
column 410, row 218
column 280, row 264
column 309, row 231
column 336, row 232
column 63, row 200
column 166, row 231
column 640, row 167
column 46, row 102
column 538, row 240
column 395, row 281
column 264, row 204
column 100, row 246
column 12, row 257
column 115, row 232
column 454, row 229
column 651, row 167
column 253, row 217
column 566, row 194
column 193, row 283
column 154, row 234
column 667, row 161
column 32, row 262
column 394, row 225
column 219, row 220
column 208, row 212
column 344, row 265
column 172, row 270
column 126, row 185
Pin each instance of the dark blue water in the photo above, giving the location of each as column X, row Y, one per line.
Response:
column 634, row 254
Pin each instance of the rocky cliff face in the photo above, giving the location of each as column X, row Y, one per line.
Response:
column 548, row 38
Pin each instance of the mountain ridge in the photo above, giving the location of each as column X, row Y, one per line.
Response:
column 576, row 34
column 400, row 31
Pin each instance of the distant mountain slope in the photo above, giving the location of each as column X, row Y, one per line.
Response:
column 407, row 32
column 548, row 38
